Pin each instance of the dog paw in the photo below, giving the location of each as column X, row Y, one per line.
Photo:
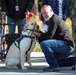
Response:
column 24, row 68
column 11, row 67
column 31, row 66
column 19, row 66
column 8, row 67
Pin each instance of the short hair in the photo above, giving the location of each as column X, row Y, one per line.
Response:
column 46, row 6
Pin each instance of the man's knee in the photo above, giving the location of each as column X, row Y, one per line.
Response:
column 43, row 43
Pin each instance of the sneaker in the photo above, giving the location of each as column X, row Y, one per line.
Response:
column 49, row 69
column 74, row 67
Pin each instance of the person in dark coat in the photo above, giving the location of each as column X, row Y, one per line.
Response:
column 16, row 12
column 56, row 43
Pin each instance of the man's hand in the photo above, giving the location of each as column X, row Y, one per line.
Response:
column 36, row 33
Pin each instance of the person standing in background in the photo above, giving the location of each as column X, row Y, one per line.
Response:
column 16, row 11
column 73, row 19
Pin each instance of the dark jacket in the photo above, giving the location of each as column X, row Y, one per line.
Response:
column 9, row 7
column 55, row 6
column 58, row 30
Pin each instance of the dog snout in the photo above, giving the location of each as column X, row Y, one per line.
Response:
column 37, row 27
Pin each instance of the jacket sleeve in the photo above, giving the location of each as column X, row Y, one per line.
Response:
column 3, row 5
column 66, row 10
column 30, row 4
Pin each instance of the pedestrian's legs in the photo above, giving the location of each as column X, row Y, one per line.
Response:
column 51, row 46
column 21, row 24
column 11, row 27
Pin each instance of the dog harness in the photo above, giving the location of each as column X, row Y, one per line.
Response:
column 19, row 39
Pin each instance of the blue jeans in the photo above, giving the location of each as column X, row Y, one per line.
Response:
column 20, row 23
column 55, row 50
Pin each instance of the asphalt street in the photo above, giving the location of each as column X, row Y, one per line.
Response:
column 38, row 62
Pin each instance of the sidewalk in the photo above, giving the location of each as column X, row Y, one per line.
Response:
column 38, row 62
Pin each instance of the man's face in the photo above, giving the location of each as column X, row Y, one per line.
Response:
column 46, row 13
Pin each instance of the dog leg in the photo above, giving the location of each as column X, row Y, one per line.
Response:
column 29, row 53
column 29, row 60
column 23, row 61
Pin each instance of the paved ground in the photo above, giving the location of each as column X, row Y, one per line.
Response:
column 38, row 62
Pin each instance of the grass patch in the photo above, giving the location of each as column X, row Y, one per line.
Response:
column 68, row 23
column 37, row 48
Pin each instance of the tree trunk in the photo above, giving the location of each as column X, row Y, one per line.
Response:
column 35, row 9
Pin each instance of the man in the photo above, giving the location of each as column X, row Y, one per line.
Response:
column 60, row 7
column 57, row 43
column 16, row 12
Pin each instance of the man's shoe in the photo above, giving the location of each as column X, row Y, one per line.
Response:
column 49, row 69
column 74, row 67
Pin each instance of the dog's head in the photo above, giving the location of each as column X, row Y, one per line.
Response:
column 31, row 26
